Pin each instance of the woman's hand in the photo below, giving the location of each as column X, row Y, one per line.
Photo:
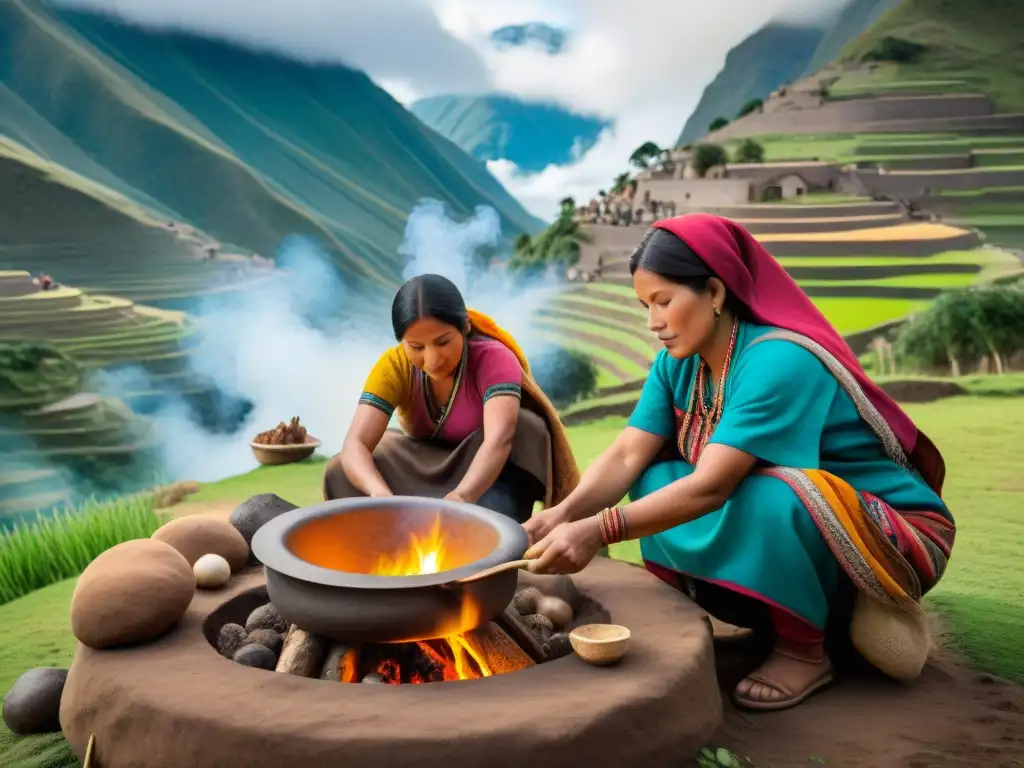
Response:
column 458, row 496
column 544, row 522
column 569, row 548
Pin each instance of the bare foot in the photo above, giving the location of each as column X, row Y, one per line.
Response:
column 783, row 681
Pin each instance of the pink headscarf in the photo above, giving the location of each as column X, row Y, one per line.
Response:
column 754, row 277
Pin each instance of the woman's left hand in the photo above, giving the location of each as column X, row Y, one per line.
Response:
column 457, row 496
column 567, row 549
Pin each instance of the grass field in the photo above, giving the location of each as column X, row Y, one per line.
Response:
column 979, row 596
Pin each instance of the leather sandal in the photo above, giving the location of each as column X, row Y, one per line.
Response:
column 791, row 697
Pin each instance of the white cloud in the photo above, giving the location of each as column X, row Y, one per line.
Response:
column 392, row 40
column 643, row 63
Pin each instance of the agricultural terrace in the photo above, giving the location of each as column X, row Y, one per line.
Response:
column 862, row 262
column 966, row 180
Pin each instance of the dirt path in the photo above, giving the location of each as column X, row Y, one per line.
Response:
column 951, row 717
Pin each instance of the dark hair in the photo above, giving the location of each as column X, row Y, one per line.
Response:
column 431, row 296
column 666, row 255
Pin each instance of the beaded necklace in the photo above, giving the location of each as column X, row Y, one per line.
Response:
column 445, row 409
column 700, row 421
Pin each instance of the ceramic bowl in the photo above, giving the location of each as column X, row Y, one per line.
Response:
column 600, row 644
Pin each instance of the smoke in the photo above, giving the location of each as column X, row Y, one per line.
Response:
column 303, row 343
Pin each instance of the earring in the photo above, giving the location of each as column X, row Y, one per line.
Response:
column 718, row 314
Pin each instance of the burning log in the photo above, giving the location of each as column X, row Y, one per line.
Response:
column 341, row 665
column 302, row 654
column 513, row 624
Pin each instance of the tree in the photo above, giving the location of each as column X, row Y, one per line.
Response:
column 567, row 202
column 707, row 156
column 621, row 181
column 895, row 49
column 559, row 243
column 754, row 105
column 749, row 151
column 644, row 154
column 566, row 375
column 962, row 327
column 718, row 123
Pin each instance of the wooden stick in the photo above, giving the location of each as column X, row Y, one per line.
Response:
column 342, row 664
column 302, row 653
column 87, row 760
column 512, row 623
column 488, row 572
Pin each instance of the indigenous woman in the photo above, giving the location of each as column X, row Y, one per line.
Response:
column 768, row 476
column 477, row 428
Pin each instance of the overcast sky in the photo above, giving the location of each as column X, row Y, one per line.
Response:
column 642, row 62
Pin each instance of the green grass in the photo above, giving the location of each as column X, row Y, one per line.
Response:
column 60, row 545
column 979, row 596
column 856, row 147
column 976, row 43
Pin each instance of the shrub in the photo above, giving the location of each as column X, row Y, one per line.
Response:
column 718, row 123
column 749, row 151
column 894, row 49
column 754, row 105
column 707, row 156
column 61, row 545
column 961, row 327
column 566, row 375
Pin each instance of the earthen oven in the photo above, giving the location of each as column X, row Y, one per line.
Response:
column 499, row 694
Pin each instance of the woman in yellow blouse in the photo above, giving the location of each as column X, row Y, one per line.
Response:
column 475, row 425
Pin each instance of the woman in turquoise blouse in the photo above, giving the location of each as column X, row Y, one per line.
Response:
column 765, row 470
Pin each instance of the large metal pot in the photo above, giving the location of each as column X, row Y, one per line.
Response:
column 319, row 562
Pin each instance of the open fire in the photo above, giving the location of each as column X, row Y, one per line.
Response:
column 457, row 657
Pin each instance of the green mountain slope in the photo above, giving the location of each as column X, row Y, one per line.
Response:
column 974, row 42
column 856, row 17
column 775, row 54
column 531, row 135
column 247, row 147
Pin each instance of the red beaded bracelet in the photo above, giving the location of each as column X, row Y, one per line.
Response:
column 612, row 523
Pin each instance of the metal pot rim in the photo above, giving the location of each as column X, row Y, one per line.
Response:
column 268, row 544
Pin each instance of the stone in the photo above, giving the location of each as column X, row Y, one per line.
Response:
column 265, row 617
column 211, row 571
column 132, row 593
column 33, row 703
column 258, row 656
column 553, row 586
column 268, row 638
column 198, row 535
column 557, row 646
column 525, row 601
column 539, row 625
column 252, row 514
column 555, row 610
column 230, row 638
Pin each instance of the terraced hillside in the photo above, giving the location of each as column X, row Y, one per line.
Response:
column 966, row 180
column 849, row 262
column 90, row 236
column 101, row 333
column 968, row 47
column 246, row 147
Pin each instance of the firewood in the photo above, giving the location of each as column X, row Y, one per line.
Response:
column 342, row 664
column 302, row 654
column 512, row 623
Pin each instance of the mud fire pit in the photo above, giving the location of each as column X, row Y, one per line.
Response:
column 497, row 695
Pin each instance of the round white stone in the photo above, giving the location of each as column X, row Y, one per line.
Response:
column 211, row 571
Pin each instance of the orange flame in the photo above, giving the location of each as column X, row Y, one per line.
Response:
column 458, row 655
column 422, row 555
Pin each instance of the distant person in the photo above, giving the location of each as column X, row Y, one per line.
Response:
column 476, row 427
column 767, row 474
